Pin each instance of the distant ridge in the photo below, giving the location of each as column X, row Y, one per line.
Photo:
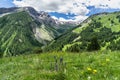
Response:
column 105, row 26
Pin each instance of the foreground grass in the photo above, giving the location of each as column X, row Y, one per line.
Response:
column 77, row 66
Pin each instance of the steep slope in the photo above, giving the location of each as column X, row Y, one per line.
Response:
column 25, row 30
column 105, row 26
column 16, row 34
column 20, row 33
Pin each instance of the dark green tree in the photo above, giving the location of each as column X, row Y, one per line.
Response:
column 94, row 45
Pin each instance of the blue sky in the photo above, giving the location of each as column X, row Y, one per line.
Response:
column 6, row 3
column 67, row 10
column 94, row 10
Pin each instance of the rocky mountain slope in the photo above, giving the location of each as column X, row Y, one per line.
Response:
column 24, row 30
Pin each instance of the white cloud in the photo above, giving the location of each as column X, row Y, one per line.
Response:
column 73, row 19
column 54, row 17
column 61, row 18
column 77, row 7
column 101, row 3
column 61, row 6
column 105, row 3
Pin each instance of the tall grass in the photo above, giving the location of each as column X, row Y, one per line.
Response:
column 102, row 65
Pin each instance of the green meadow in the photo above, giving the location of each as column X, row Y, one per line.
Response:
column 98, row 65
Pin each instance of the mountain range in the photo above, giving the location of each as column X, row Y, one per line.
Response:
column 24, row 30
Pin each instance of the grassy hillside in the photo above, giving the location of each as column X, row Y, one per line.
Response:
column 106, row 27
column 62, row 66
column 16, row 35
column 20, row 33
column 24, row 30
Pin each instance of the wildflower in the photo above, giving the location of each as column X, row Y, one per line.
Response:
column 94, row 71
column 89, row 78
column 89, row 69
column 107, row 60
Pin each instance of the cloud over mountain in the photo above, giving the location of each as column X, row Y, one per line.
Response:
column 77, row 7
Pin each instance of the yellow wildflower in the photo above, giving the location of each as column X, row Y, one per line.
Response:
column 89, row 69
column 107, row 60
column 94, row 71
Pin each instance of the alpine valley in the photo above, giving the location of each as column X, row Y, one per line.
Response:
column 26, row 30
column 34, row 46
column 99, row 30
